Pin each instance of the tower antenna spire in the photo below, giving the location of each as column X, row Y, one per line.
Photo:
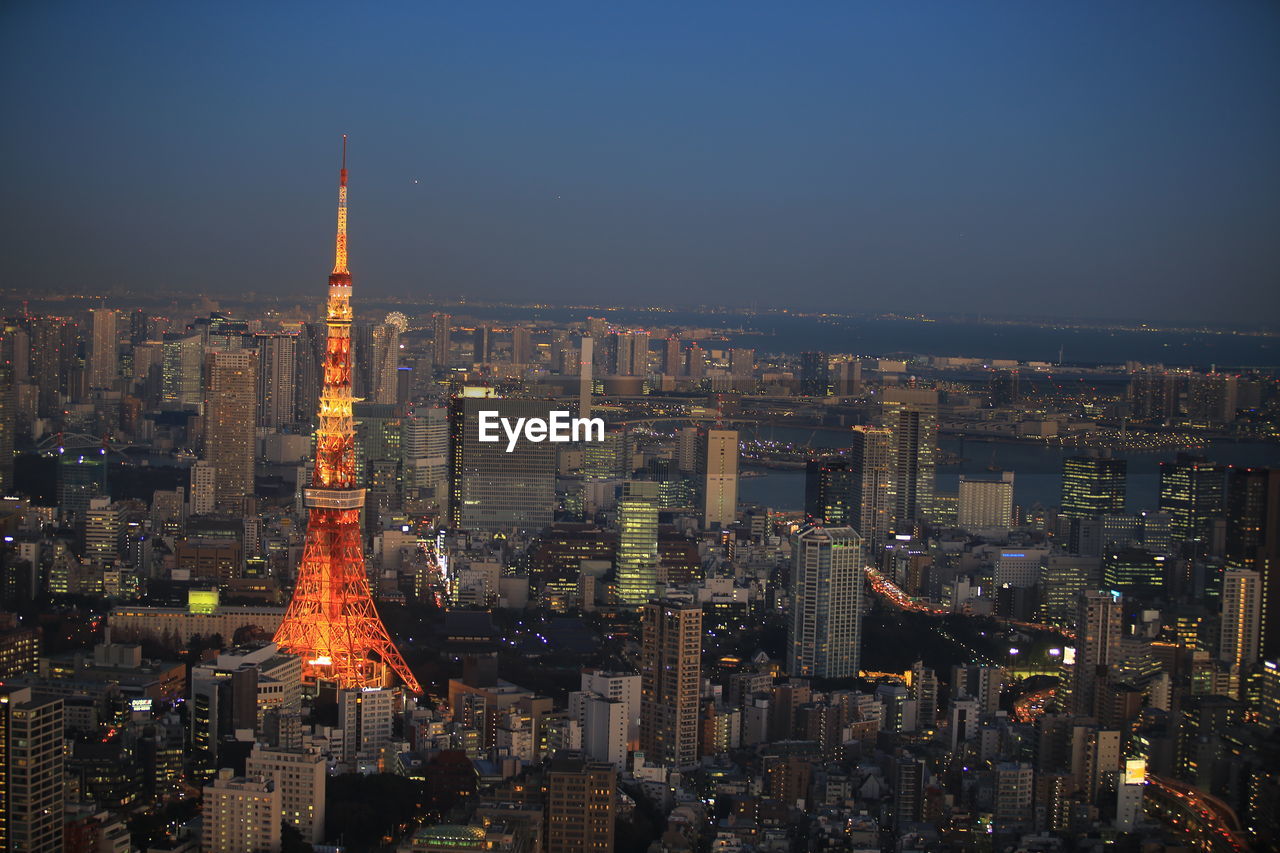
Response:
column 340, row 242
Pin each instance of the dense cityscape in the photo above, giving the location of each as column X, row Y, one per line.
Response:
column 600, row 644
column 724, row 428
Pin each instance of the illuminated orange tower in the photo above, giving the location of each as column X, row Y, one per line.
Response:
column 331, row 620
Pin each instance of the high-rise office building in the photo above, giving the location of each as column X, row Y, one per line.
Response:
column 1212, row 398
column 104, row 355
column 672, row 358
column 1253, row 540
column 277, row 379
column 384, row 365
column 202, row 491
column 912, row 415
column 985, row 503
column 521, row 345
column 1192, row 491
column 489, row 488
column 441, row 339
column 742, row 363
column 367, row 717
column 824, row 637
column 240, row 814
column 1253, row 517
column 1154, row 394
column 230, row 413
column 8, row 425
column 833, row 491
column 140, row 327
column 1240, row 635
column 815, row 374
column 670, row 675
column 695, row 361
column 309, row 366
column 379, row 457
column 586, row 364
column 81, row 477
column 1004, row 388
column 31, row 771
column 637, row 564
column 481, row 344
column 180, row 371
column 718, row 476
column 581, row 807
column 1098, row 634
column 1135, row 571
column 1092, row 486
column 299, row 776
column 871, row 448
column 425, row 450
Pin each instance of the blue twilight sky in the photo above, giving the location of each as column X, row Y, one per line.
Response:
column 1105, row 158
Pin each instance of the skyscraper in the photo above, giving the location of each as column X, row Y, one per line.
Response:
column 521, row 345
column 672, row 358
column 670, row 675
column 815, row 374
column 31, row 771
column 490, row 489
column 1092, row 486
column 586, row 363
column 1241, row 629
column 872, row 449
column 742, row 363
column 637, row 542
column 480, row 344
column 718, row 476
column 309, row 367
column 441, row 339
column 104, row 356
column 833, row 491
column 277, row 379
column 912, row 414
column 1192, row 491
column 51, row 352
column 180, row 371
column 230, row 413
column 81, row 477
column 1253, row 540
column 824, row 637
column 1253, row 517
column 384, row 373
column 1098, row 635
column 8, row 425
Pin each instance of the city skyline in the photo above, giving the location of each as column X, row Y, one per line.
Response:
column 1036, row 161
column 502, row 565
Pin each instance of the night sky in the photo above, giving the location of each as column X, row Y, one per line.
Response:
column 1054, row 158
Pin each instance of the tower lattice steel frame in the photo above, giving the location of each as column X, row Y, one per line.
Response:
column 331, row 620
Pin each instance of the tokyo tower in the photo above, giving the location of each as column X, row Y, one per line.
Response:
column 331, row 620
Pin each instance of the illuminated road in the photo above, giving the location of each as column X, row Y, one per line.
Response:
column 890, row 591
column 1027, row 708
column 1209, row 823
